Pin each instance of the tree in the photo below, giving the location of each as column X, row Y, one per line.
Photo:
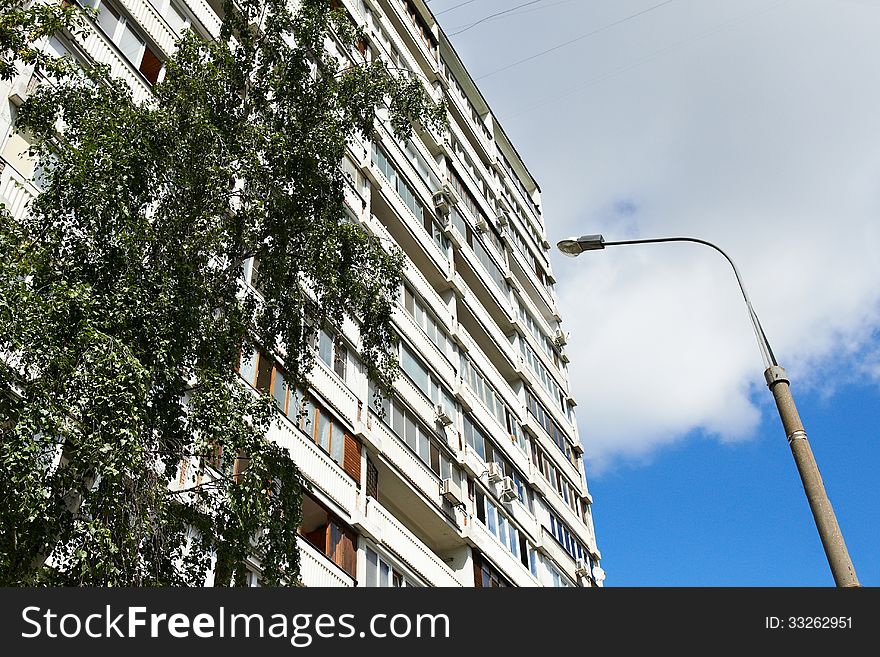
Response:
column 123, row 314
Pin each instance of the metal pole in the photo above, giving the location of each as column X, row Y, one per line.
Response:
column 842, row 568
column 826, row 522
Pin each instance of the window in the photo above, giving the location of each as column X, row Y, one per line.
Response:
column 537, row 410
column 430, row 386
column 410, row 199
column 121, row 32
column 266, row 375
column 567, row 491
column 427, row 321
column 330, row 535
column 494, row 271
column 381, row 573
column 498, row 523
column 542, row 374
column 483, row 446
column 422, row 441
column 333, row 352
column 566, row 538
column 177, row 20
column 487, row 393
column 485, row 575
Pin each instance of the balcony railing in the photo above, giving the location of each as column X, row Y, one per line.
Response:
column 509, row 564
column 315, row 464
column 409, row 549
column 102, row 51
column 410, row 466
column 317, row 570
column 337, row 394
column 15, row 190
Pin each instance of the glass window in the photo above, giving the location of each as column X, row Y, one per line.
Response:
column 325, row 430
column 279, row 391
column 248, row 365
column 325, row 347
column 372, row 567
column 337, row 446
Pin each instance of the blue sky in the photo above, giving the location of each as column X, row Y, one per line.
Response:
column 755, row 125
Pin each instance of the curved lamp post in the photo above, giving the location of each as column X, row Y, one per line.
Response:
column 829, row 531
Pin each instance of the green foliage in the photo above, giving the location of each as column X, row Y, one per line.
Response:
column 122, row 312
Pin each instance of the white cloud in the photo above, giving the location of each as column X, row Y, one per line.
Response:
column 763, row 137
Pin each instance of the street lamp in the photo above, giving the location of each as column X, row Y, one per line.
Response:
column 829, row 531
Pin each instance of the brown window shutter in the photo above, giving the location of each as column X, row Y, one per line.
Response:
column 372, row 480
column 351, row 459
column 478, row 570
column 150, row 65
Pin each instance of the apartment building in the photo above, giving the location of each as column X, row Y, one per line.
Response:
column 472, row 474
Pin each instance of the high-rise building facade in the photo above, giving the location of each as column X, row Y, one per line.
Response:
column 472, row 474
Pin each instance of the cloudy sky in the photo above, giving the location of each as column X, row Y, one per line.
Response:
column 754, row 124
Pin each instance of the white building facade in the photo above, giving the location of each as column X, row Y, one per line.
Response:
column 472, row 474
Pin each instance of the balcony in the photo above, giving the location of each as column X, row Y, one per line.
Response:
column 99, row 48
column 316, row 570
column 203, row 12
column 335, row 392
column 430, row 353
column 15, row 190
column 404, row 545
column 509, row 564
column 489, row 325
column 315, row 464
column 407, row 465
column 551, row 547
column 149, row 20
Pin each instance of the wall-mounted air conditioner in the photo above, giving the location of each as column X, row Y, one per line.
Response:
column 508, row 491
column 560, row 337
column 442, row 416
column 451, row 492
column 441, row 202
column 582, row 568
column 494, row 472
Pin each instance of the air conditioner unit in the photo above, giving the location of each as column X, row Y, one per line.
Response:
column 503, row 218
column 441, row 202
column 494, row 472
column 582, row 568
column 442, row 416
column 482, row 225
column 451, row 492
column 507, row 492
column 560, row 338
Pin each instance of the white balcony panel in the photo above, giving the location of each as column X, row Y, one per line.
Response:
column 149, row 20
column 317, row 570
column 428, row 293
column 337, row 394
column 499, row 554
column 479, row 311
column 102, row 51
column 427, row 349
column 206, row 16
column 495, row 429
column 15, row 191
column 396, row 538
column 408, row 465
column 550, row 546
column 315, row 464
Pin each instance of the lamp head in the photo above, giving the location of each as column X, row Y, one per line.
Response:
column 574, row 246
